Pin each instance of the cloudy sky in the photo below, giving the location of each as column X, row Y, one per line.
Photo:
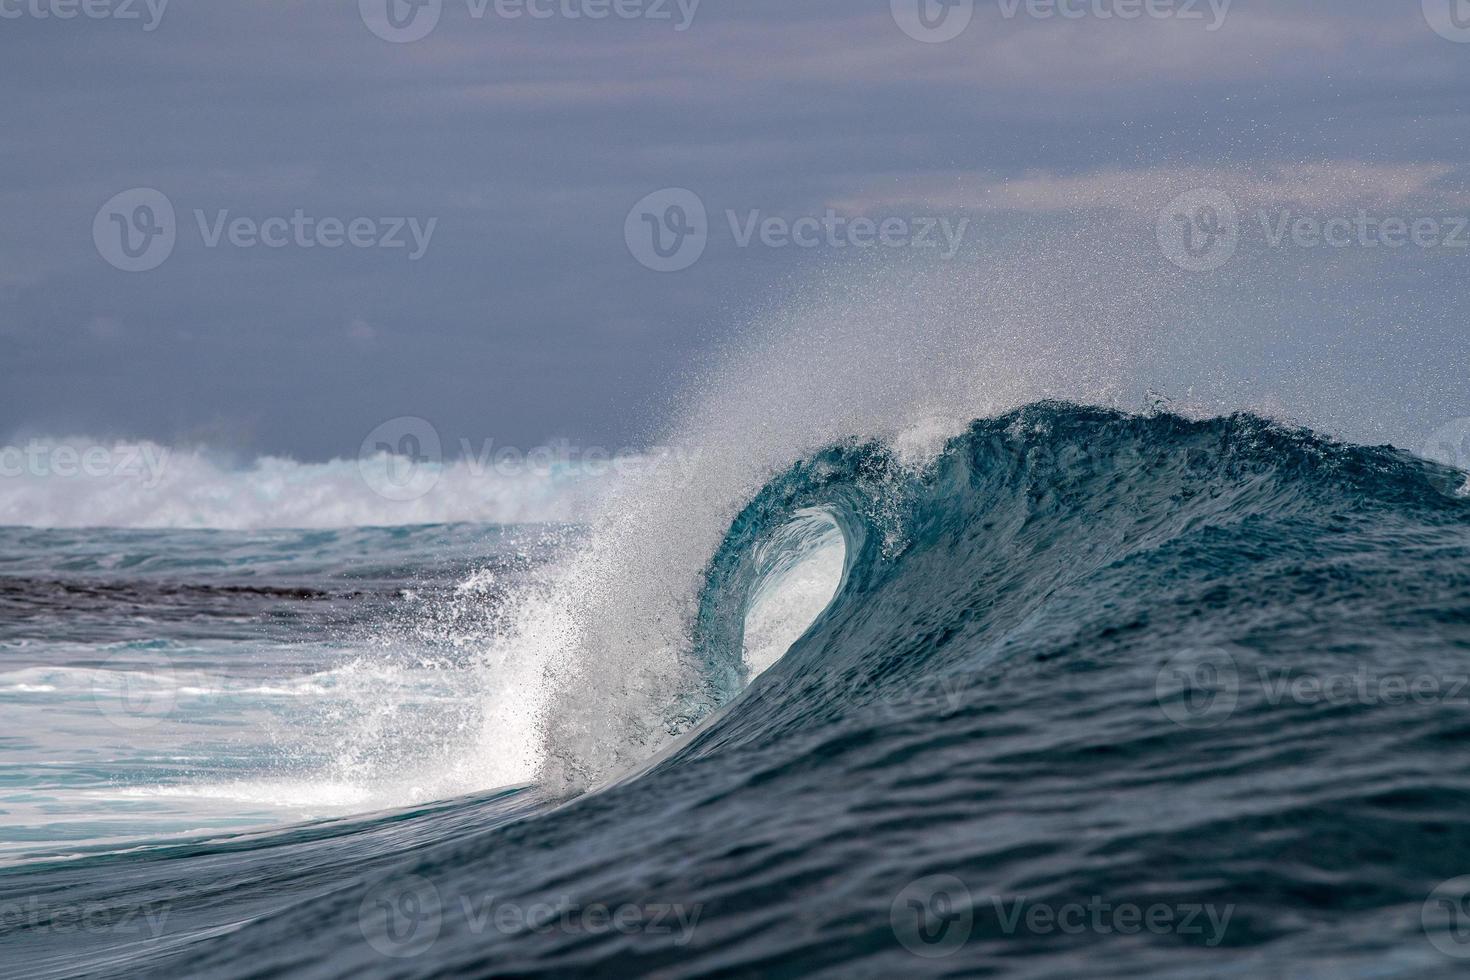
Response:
column 269, row 225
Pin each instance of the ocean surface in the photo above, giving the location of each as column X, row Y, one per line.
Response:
column 1078, row 692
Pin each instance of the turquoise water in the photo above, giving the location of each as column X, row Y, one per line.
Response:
column 162, row 683
column 1097, row 694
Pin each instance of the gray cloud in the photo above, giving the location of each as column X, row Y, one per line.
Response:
column 529, row 140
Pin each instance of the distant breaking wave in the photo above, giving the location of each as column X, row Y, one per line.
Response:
column 82, row 482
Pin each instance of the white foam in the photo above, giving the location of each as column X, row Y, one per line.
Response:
column 579, row 676
column 146, row 485
column 907, row 357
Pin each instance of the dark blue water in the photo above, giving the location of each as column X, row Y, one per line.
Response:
column 1100, row 695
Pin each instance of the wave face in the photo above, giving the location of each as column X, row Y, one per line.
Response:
column 1098, row 694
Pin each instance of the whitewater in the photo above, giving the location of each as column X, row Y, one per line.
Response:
column 967, row 602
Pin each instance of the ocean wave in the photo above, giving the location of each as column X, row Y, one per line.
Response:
column 1057, row 655
column 83, row 482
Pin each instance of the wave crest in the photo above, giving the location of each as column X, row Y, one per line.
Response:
column 83, row 482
